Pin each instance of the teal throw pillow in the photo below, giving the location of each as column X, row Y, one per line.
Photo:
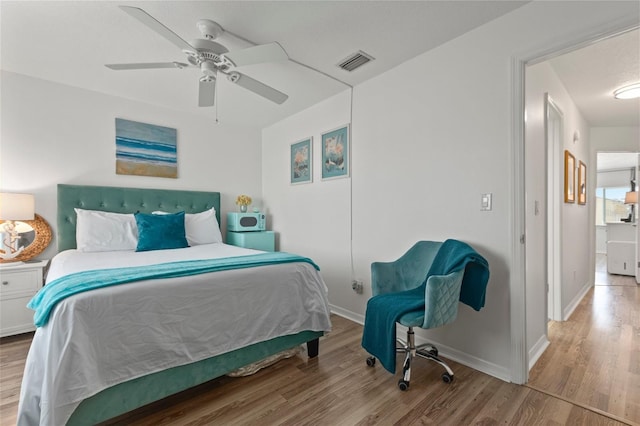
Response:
column 160, row 232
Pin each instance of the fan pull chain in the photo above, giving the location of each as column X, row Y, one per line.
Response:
column 215, row 102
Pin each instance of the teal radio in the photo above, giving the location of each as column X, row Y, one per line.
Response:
column 243, row 222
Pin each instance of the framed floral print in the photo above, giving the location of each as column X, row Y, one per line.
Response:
column 582, row 183
column 569, row 177
column 301, row 160
column 335, row 153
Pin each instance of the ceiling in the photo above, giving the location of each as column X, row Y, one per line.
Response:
column 69, row 42
column 592, row 73
column 616, row 160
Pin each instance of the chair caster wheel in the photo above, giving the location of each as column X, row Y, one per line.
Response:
column 447, row 378
column 403, row 385
column 371, row 361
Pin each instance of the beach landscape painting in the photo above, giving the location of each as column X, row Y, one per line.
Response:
column 146, row 149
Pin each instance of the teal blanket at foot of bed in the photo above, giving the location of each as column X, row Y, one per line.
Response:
column 46, row 299
column 384, row 310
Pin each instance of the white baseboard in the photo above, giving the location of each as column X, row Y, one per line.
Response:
column 357, row 318
column 500, row 372
column 566, row 314
column 470, row 361
column 537, row 350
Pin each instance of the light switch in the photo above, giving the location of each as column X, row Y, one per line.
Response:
column 485, row 202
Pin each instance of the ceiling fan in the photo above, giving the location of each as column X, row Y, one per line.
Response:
column 212, row 58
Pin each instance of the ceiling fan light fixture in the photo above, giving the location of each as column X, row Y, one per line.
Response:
column 211, row 58
column 208, row 69
column 631, row 91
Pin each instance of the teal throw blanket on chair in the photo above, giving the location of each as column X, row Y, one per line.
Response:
column 384, row 310
column 46, row 299
column 455, row 255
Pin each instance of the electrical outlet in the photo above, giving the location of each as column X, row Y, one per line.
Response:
column 357, row 286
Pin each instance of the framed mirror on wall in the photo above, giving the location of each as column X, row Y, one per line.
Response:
column 24, row 240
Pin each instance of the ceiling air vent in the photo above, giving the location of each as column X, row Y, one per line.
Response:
column 356, row 60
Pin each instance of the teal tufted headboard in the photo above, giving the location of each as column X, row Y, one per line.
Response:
column 124, row 200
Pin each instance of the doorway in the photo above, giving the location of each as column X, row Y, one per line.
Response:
column 535, row 216
column 547, row 115
column 554, row 128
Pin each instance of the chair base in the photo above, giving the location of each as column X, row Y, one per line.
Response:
column 409, row 348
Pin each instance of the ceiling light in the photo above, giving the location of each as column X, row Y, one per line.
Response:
column 628, row 92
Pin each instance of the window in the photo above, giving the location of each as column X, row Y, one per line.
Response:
column 610, row 206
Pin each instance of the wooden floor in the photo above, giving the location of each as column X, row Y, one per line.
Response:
column 594, row 357
column 592, row 367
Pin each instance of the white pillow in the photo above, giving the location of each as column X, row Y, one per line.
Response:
column 105, row 231
column 201, row 228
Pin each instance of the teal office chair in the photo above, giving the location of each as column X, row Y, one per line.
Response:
column 420, row 289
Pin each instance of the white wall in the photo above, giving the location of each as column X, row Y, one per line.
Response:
column 615, row 139
column 311, row 219
column 52, row 133
column 576, row 274
column 428, row 137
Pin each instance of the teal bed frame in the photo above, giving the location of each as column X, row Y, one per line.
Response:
column 133, row 394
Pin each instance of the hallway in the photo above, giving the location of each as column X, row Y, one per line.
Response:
column 594, row 357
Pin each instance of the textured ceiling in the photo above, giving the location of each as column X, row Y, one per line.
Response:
column 592, row 73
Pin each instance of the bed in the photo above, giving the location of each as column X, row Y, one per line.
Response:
column 107, row 351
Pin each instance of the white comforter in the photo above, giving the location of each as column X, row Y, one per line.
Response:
column 100, row 338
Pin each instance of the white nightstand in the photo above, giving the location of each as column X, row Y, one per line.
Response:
column 18, row 285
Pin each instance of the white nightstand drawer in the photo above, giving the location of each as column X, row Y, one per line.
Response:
column 16, row 282
column 15, row 317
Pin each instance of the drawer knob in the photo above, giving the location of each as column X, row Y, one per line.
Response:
column 5, row 282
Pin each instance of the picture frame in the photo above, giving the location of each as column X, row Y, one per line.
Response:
column 144, row 149
column 569, row 177
column 301, row 161
column 582, row 183
column 336, row 156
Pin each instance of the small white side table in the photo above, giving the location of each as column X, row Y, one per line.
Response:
column 18, row 284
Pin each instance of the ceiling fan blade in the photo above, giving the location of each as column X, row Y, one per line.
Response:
column 257, row 87
column 254, row 55
column 206, row 92
column 158, row 27
column 146, row 66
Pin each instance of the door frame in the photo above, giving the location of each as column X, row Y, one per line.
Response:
column 554, row 146
column 517, row 285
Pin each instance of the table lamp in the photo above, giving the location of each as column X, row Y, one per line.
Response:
column 13, row 207
column 631, row 197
